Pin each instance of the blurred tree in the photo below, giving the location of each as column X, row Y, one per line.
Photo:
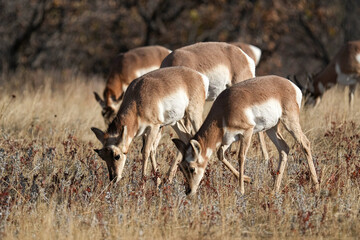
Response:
column 295, row 36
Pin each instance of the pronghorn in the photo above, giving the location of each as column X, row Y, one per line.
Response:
column 251, row 50
column 156, row 99
column 255, row 105
column 223, row 63
column 125, row 68
column 344, row 69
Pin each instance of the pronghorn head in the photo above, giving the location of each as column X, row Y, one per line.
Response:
column 192, row 165
column 108, row 110
column 113, row 151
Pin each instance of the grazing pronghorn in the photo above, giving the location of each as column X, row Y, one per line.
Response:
column 223, row 63
column 156, row 99
column 125, row 68
column 251, row 50
column 255, row 105
column 344, row 69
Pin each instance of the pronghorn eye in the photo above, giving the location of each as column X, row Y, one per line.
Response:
column 117, row 157
column 192, row 169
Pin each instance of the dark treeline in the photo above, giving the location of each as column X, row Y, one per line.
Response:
column 296, row 36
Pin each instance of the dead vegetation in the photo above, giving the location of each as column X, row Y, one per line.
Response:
column 53, row 185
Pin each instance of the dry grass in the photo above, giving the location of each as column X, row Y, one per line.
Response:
column 54, row 186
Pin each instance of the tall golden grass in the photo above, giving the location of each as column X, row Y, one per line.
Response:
column 53, row 185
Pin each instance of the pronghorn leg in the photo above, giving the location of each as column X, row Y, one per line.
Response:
column 153, row 155
column 244, row 147
column 221, row 156
column 173, row 167
column 352, row 89
column 293, row 126
column 283, row 150
column 149, row 142
column 263, row 147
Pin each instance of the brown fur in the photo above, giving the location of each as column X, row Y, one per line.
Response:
column 123, row 71
column 144, row 93
column 228, row 112
column 348, row 65
column 232, row 102
column 247, row 49
column 205, row 56
column 140, row 106
column 125, row 65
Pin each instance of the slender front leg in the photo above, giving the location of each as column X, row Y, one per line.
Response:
column 244, row 147
column 149, row 142
column 221, row 156
column 352, row 89
column 263, row 147
column 153, row 155
column 173, row 168
column 283, row 150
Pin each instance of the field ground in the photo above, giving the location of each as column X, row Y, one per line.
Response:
column 53, row 185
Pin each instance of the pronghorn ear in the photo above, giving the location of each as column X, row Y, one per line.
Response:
column 99, row 100
column 99, row 134
column 122, row 136
column 196, row 146
column 181, row 146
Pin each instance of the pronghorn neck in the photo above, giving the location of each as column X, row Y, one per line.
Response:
column 125, row 117
column 209, row 136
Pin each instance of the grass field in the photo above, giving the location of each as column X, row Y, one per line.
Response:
column 54, row 186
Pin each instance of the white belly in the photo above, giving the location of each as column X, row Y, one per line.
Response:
column 172, row 107
column 264, row 116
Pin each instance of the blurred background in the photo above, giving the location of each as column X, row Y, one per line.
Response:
column 297, row 37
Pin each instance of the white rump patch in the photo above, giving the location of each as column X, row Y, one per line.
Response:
column 172, row 107
column 298, row 94
column 142, row 71
column 219, row 77
column 264, row 116
column 250, row 61
column 257, row 53
column 357, row 57
column 342, row 78
column 206, row 84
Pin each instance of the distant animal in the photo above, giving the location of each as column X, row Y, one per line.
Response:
column 344, row 69
column 248, row 107
column 251, row 50
column 223, row 63
column 125, row 68
column 159, row 98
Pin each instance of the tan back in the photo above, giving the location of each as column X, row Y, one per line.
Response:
column 348, row 59
column 208, row 57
